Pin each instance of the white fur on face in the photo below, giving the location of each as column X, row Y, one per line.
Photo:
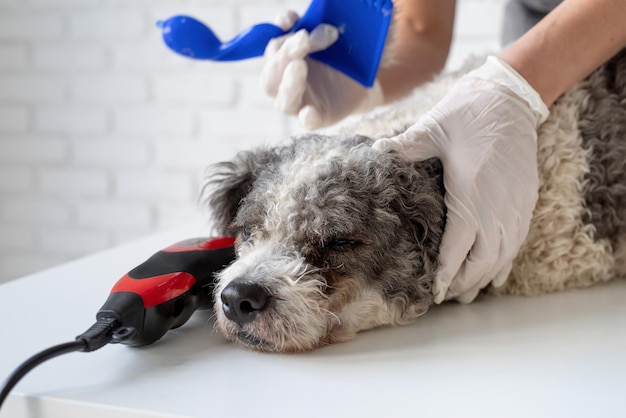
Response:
column 296, row 318
column 370, row 310
column 302, row 315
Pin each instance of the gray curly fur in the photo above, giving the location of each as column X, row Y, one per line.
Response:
column 602, row 124
column 230, row 181
column 393, row 208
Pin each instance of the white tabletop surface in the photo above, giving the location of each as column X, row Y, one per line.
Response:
column 560, row 355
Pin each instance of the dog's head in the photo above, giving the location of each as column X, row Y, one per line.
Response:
column 333, row 237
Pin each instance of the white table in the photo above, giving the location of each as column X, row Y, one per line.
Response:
column 560, row 355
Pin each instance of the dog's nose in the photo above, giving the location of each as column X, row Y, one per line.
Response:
column 241, row 301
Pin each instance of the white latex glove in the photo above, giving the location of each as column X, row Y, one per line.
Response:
column 318, row 94
column 484, row 131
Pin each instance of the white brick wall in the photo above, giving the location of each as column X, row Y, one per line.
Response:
column 104, row 133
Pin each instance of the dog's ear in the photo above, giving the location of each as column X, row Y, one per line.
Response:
column 228, row 182
column 421, row 202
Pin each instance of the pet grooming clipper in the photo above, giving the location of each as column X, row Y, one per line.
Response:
column 158, row 295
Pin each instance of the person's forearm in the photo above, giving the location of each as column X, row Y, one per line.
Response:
column 422, row 37
column 568, row 44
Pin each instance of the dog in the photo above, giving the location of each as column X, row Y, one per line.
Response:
column 335, row 237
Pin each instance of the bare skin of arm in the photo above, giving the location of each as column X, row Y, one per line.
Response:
column 422, row 38
column 568, row 44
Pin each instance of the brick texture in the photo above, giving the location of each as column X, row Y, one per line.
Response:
column 104, row 133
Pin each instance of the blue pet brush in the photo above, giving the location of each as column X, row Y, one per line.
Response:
column 362, row 24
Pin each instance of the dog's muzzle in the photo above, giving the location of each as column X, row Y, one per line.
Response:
column 242, row 301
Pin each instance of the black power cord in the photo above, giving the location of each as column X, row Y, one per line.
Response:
column 35, row 361
column 97, row 336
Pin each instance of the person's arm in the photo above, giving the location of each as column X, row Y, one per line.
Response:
column 485, row 133
column 421, row 42
column 568, row 44
column 320, row 95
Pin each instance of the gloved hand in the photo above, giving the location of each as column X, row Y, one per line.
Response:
column 318, row 94
column 484, row 133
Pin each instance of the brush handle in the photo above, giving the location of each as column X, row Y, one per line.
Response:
column 250, row 43
column 192, row 38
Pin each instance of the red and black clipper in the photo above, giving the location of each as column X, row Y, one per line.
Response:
column 151, row 299
column 162, row 293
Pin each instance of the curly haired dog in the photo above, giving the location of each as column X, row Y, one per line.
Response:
column 334, row 237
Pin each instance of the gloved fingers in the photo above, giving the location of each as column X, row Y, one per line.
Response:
column 523, row 222
column 322, row 37
column 272, row 72
column 469, row 295
column 292, row 88
column 502, row 275
column 458, row 238
column 512, row 229
column 506, row 251
column 293, row 47
column 286, row 19
column 472, row 277
column 498, row 280
column 485, row 256
column 415, row 144
column 273, row 46
column 310, row 117
column 296, row 47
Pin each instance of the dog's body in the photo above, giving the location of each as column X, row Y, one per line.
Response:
column 335, row 237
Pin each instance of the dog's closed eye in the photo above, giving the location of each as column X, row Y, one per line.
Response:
column 245, row 233
column 342, row 244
